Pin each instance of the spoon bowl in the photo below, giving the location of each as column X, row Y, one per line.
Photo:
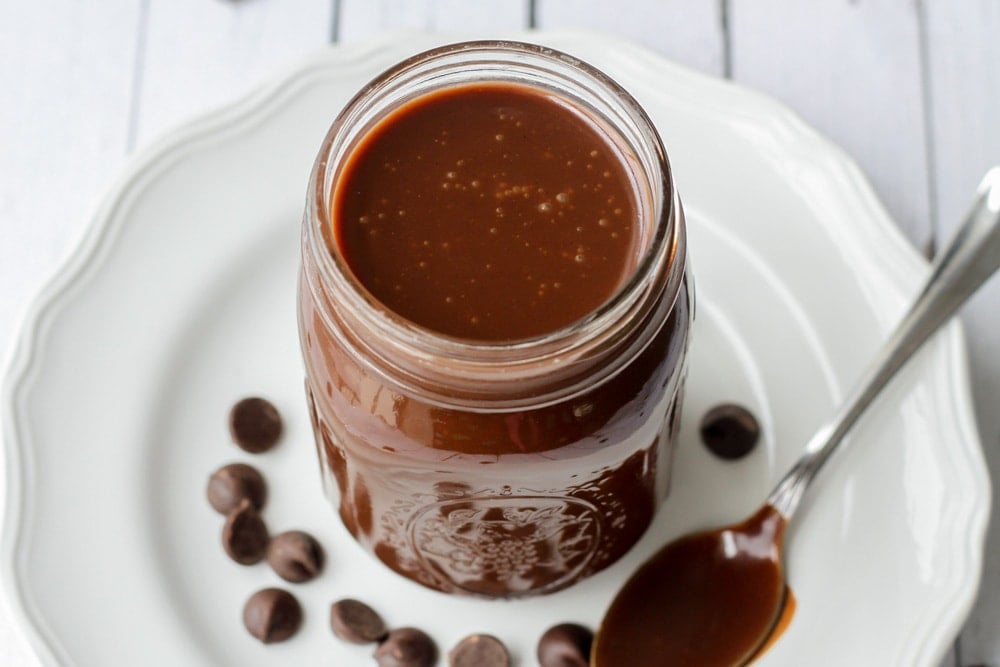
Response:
column 715, row 598
column 694, row 585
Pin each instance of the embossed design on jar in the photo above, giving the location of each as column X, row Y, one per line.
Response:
column 506, row 545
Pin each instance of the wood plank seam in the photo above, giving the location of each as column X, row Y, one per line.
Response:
column 335, row 22
column 138, row 69
column 930, row 149
column 727, row 43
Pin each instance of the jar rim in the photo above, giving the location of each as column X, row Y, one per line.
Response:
column 664, row 252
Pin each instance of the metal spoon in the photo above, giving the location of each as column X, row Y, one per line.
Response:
column 714, row 598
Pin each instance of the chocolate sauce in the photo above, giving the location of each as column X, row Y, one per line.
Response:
column 492, row 195
column 487, row 211
column 706, row 600
column 781, row 625
column 456, row 491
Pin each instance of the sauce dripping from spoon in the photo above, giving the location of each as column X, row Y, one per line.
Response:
column 714, row 599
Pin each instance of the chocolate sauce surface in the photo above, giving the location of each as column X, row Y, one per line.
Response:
column 488, row 211
column 708, row 600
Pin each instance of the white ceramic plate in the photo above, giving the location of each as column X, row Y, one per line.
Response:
column 181, row 299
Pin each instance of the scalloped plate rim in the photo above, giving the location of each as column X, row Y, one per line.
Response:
column 98, row 236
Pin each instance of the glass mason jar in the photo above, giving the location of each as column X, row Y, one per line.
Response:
column 497, row 468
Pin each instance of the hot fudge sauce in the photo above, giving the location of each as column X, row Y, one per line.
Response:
column 494, row 318
column 704, row 600
column 487, row 211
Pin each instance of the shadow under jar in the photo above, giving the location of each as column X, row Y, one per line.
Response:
column 494, row 315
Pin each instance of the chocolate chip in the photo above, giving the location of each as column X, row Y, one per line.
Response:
column 272, row 615
column 244, row 536
column 233, row 483
column 356, row 622
column 479, row 651
column 255, row 424
column 729, row 431
column 295, row 556
column 565, row 645
column 407, row 647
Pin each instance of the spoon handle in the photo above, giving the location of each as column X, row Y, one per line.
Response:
column 969, row 260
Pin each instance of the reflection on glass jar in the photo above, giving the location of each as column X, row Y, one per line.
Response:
column 484, row 464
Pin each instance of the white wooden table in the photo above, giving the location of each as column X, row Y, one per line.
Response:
column 910, row 88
